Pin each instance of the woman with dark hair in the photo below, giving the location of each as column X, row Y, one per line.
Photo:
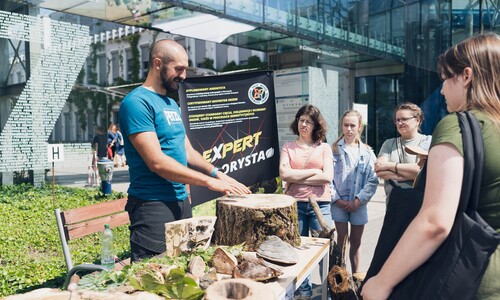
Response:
column 306, row 165
column 471, row 82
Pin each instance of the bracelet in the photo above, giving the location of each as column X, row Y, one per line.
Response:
column 214, row 172
column 396, row 168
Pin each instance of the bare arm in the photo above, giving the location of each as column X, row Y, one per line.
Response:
column 430, row 227
column 387, row 170
column 326, row 175
column 197, row 161
column 149, row 149
column 294, row 175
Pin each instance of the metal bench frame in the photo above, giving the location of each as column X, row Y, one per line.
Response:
column 83, row 221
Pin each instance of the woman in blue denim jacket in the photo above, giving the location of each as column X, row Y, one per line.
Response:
column 354, row 184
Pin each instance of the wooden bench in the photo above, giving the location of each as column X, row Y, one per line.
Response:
column 79, row 222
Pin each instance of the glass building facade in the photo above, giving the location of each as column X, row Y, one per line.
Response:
column 384, row 53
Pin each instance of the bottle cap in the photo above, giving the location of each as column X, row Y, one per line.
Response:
column 106, row 226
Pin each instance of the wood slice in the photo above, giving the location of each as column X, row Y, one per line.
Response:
column 251, row 218
column 244, row 289
column 188, row 235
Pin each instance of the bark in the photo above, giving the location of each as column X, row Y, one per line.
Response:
column 341, row 284
column 336, row 257
column 188, row 234
column 251, row 218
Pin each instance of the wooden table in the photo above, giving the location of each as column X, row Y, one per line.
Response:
column 317, row 250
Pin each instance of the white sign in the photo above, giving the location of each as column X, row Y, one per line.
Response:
column 55, row 152
column 363, row 111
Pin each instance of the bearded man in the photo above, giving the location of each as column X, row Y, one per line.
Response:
column 159, row 152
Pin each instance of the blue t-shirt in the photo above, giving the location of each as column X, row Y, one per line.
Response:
column 145, row 111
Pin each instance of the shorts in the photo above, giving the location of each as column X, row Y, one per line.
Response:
column 359, row 217
column 147, row 224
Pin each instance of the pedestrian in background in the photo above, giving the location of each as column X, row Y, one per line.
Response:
column 120, row 149
column 470, row 72
column 112, row 140
column 354, row 184
column 306, row 166
column 393, row 161
column 99, row 149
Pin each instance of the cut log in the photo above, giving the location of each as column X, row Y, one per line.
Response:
column 188, row 235
column 341, row 284
column 251, row 218
column 244, row 289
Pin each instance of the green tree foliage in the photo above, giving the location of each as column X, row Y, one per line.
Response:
column 208, row 64
column 254, row 62
column 135, row 65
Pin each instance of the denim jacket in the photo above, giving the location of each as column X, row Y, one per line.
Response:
column 361, row 182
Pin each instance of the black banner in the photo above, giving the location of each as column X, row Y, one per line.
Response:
column 231, row 121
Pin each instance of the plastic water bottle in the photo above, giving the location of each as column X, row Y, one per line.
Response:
column 107, row 251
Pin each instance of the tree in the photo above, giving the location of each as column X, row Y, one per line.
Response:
column 232, row 66
column 208, row 64
column 254, row 62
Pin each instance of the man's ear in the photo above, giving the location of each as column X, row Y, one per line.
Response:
column 157, row 63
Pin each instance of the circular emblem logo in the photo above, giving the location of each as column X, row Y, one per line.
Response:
column 258, row 93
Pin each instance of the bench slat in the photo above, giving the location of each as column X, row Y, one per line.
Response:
column 93, row 211
column 82, row 229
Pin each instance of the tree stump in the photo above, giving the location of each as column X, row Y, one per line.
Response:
column 251, row 218
column 244, row 289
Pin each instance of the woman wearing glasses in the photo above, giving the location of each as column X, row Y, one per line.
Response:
column 393, row 161
column 306, row 165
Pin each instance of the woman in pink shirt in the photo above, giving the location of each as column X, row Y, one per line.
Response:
column 306, row 165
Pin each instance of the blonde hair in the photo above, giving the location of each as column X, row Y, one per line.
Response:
column 355, row 113
column 481, row 53
column 416, row 111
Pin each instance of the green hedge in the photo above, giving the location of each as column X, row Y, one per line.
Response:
column 30, row 250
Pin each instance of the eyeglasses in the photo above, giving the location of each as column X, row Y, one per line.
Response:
column 308, row 123
column 403, row 120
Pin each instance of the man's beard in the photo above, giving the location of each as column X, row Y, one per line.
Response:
column 170, row 85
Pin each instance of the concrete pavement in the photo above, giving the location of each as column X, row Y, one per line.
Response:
column 78, row 176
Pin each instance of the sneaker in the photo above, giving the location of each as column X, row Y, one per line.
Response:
column 299, row 297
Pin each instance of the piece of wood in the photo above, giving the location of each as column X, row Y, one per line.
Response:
column 327, row 233
column 188, row 235
column 243, row 289
column 341, row 284
column 251, row 218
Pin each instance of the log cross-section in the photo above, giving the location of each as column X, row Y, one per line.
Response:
column 250, row 219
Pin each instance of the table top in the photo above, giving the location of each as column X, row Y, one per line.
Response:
column 313, row 250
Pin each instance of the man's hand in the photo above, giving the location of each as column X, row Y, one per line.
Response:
column 227, row 185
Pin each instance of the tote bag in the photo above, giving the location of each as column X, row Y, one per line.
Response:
column 456, row 268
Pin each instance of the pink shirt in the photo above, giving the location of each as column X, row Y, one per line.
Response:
column 314, row 158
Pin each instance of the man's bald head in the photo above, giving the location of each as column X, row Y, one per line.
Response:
column 164, row 50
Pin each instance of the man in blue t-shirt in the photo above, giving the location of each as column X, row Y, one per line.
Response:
column 158, row 154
